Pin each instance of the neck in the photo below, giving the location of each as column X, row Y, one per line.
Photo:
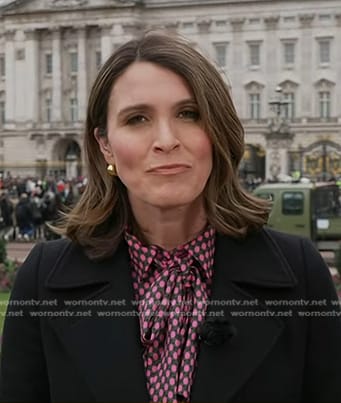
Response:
column 172, row 227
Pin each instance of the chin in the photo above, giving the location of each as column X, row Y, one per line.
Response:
column 173, row 200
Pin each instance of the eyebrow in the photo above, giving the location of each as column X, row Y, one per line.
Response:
column 143, row 106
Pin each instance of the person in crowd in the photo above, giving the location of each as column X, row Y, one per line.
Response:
column 37, row 212
column 24, row 218
column 67, row 195
column 166, row 286
column 21, row 186
column 6, row 216
column 51, row 206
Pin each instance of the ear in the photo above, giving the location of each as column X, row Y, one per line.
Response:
column 104, row 145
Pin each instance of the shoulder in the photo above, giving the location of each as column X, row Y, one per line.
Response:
column 266, row 240
column 56, row 247
column 63, row 264
column 296, row 249
column 41, row 261
column 286, row 242
column 293, row 246
column 268, row 256
column 50, row 250
column 304, row 259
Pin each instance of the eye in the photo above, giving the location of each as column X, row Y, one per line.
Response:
column 189, row 114
column 137, row 119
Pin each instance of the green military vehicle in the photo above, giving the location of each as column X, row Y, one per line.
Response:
column 309, row 209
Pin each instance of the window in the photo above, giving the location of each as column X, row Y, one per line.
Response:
column 73, row 110
column 20, row 54
column 220, row 23
column 48, row 63
column 324, row 51
column 289, row 53
column 292, row 203
column 98, row 59
column 2, row 65
column 2, row 112
column 254, row 49
column 289, row 19
column 324, row 17
column 220, row 53
column 73, row 62
column 254, row 21
column 266, row 196
column 48, row 110
column 254, row 100
column 326, row 201
column 188, row 25
column 289, row 110
column 324, row 100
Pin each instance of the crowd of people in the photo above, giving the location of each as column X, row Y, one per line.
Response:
column 28, row 205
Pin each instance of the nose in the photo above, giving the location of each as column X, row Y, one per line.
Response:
column 165, row 138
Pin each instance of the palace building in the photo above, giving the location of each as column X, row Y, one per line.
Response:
column 281, row 59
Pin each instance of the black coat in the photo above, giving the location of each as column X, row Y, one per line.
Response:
column 6, row 209
column 24, row 213
column 275, row 355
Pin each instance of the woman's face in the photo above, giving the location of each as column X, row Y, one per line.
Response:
column 156, row 139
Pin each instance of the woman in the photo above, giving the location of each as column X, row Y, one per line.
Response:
column 167, row 288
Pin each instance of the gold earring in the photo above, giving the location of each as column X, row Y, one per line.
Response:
column 111, row 169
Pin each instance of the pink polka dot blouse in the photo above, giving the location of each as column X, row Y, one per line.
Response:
column 172, row 288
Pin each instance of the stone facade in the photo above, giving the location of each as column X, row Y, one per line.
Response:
column 280, row 58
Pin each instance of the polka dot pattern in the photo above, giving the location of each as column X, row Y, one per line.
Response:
column 172, row 288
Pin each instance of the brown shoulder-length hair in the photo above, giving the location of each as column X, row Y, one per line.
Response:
column 100, row 217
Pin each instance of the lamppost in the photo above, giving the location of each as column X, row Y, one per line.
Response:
column 324, row 161
column 279, row 139
column 301, row 153
column 278, row 103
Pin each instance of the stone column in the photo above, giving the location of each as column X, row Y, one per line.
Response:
column 106, row 43
column 82, row 92
column 56, row 76
column 337, row 48
column 236, row 71
column 270, row 62
column 307, row 65
column 32, row 71
column 10, row 78
column 204, row 26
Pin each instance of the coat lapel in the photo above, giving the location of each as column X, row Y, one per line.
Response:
column 106, row 349
column 222, row 370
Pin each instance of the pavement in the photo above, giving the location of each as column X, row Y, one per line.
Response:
column 19, row 250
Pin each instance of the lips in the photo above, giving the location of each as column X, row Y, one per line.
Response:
column 169, row 169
